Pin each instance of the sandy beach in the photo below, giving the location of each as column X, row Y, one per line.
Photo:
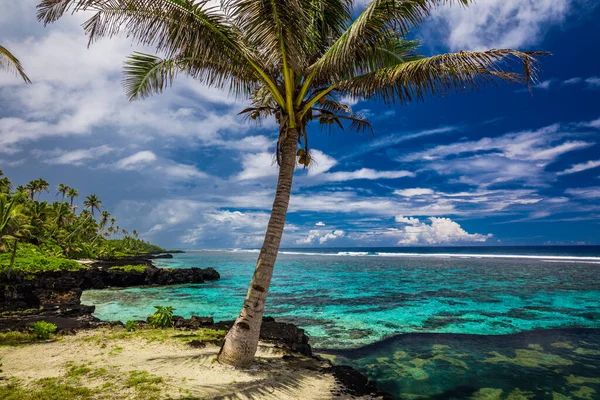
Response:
column 158, row 364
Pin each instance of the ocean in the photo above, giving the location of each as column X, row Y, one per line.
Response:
column 425, row 322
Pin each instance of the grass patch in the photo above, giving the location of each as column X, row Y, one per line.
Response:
column 149, row 334
column 129, row 268
column 44, row 389
column 15, row 338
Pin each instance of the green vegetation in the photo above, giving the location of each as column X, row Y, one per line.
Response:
column 16, row 338
column 296, row 62
column 73, row 385
column 131, row 326
column 40, row 236
column 46, row 389
column 163, row 317
column 130, row 268
column 43, row 330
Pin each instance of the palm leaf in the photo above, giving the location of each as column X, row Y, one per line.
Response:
column 414, row 80
column 380, row 21
column 10, row 63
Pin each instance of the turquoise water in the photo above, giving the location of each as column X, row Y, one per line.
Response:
column 349, row 299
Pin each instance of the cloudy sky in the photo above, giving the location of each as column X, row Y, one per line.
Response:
column 499, row 166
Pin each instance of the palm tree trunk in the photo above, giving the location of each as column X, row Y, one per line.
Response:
column 241, row 341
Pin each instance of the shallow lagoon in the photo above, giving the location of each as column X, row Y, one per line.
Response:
column 345, row 302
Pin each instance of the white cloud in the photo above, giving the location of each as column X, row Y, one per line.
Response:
column 592, row 124
column 233, row 227
column 181, row 171
column 257, row 165
column 136, row 160
column 438, row 231
column 572, row 81
column 73, row 157
column 593, row 82
column 580, row 167
column 413, row 192
column 320, row 223
column 521, row 156
column 365, row 173
column 498, row 23
column 585, row 193
column 321, row 236
column 320, row 162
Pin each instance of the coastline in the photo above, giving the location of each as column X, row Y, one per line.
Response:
column 55, row 297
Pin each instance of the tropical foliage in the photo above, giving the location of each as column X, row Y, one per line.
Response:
column 296, row 60
column 37, row 235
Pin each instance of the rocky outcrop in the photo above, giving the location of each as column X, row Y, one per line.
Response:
column 288, row 335
column 56, row 296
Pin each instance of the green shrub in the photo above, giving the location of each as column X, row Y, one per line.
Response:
column 43, row 329
column 130, row 326
column 130, row 268
column 163, row 317
column 31, row 259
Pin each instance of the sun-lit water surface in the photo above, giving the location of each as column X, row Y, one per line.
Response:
column 345, row 301
column 348, row 299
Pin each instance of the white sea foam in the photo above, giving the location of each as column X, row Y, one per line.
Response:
column 548, row 258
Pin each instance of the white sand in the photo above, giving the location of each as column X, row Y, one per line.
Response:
column 186, row 371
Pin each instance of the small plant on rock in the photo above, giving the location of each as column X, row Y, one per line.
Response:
column 43, row 330
column 162, row 318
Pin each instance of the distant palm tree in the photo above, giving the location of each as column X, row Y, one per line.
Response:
column 296, row 60
column 72, row 193
column 13, row 225
column 104, row 215
column 62, row 213
column 92, row 202
column 5, row 183
column 62, row 189
column 10, row 63
column 42, row 185
column 31, row 189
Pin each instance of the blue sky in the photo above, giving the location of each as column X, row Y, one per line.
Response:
column 499, row 166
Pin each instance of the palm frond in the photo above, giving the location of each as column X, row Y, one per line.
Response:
column 10, row 63
column 381, row 20
column 414, row 80
column 145, row 74
column 327, row 118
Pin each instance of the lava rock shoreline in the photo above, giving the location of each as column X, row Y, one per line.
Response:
column 55, row 297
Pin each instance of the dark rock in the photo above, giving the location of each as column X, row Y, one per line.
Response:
column 196, row 344
column 57, row 294
column 279, row 333
column 161, row 256
column 354, row 383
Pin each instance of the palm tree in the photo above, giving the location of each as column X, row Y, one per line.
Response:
column 72, row 193
column 104, row 215
column 5, row 184
column 10, row 63
column 13, row 226
column 62, row 189
column 41, row 185
column 295, row 60
column 92, row 202
column 31, row 189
